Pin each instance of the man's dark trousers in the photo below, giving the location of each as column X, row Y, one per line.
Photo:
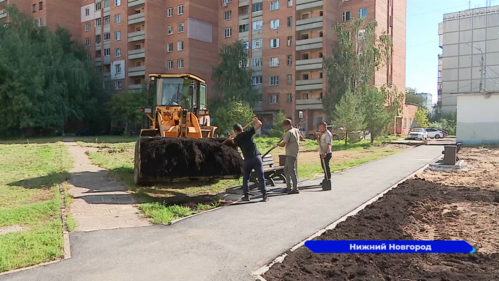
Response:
column 256, row 164
column 327, row 169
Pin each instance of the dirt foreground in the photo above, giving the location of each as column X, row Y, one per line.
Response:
column 437, row 206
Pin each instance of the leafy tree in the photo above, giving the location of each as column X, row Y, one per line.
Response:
column 232, row 75
column 278, row 130
column 412, row 98
column 46, row 79
column 357, row 55
column 377, row 115
column 231, row 113
column 421, row 118
column 126, row 106
column 349, row 114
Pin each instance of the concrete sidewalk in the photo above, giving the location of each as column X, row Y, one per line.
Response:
column 229, row 243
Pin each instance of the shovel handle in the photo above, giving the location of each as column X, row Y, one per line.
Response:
column 233, row 135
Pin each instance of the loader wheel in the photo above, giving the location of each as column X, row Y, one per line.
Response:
column 194, row 179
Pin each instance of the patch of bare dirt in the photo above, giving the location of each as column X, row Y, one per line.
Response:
column 438, row 206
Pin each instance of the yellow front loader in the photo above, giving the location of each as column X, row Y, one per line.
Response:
column 180, row 142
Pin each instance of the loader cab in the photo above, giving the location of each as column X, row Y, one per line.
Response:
column 186, row 91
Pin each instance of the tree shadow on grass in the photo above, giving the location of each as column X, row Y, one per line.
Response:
column 43, row 181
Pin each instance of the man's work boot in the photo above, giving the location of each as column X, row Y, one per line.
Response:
column 294, row 191
column 265, row 198
column 245, row 198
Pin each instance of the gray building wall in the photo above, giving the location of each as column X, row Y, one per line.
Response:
column 461, row 33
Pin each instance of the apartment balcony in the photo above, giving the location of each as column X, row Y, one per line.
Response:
column 137, row 36
column 135, row 87
column 309, row 44
column 136, row 54
column 136, row 71
column 309, row 104
column 3, row 14
column 98, row 46
column 2, row 1
column 243, row 17
column 107, row 60
column 107, row 11
column 308, row 85
column 310, row 64
column 135, row 3
column 98, row 61
column 309, row 24
column 137, row 19
column 243, row 3
column 307, row 5
column 107, row 75
column 256, row 14
column 257, row 107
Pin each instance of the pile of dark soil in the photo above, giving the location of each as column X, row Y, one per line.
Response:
column 393, row 217
column 172, row 158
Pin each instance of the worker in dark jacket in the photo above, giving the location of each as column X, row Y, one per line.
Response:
column 252, row 158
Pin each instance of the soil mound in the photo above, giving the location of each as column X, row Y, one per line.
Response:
column 170, row 158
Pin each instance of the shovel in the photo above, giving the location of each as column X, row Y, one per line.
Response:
column 326, row 185
column 234, row 135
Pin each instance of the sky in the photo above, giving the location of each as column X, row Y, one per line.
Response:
column 423, row 17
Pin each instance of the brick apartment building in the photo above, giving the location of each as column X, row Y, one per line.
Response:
column 286, row 40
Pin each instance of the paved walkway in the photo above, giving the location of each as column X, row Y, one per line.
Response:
column 99, row 202
column 229, row 243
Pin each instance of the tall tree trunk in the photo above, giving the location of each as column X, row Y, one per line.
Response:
column 346, row 137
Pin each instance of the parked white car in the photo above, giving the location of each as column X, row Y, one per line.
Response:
column 418, row 134
column 435, row 133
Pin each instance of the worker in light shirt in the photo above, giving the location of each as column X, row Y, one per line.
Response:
column 325, row 139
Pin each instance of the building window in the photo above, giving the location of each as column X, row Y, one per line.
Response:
column 290, row 21
column 244, row 10
column 257, row 7
column 257, row 44
column 274, row 62
column 34, row 8
column 40, row 22
column 346, row 16
column 180, row 10
column 97, row 22
column 117, row 35
column 289, row 79
column 256, row 62
column 117, row 3
column 117, row 52
column 169, row 12
column 180, row 63
column 290, row 60
column 117, row 85
column 107, row 20
column 98, row 69
column 107, row 36
column 244, row 27
column 117, row 68
column 89, row 56
column 87, row 42
column 117, row 18
column 362, row 13
column 87, row 26
column 290, row 40
column 40, row 6
column 228, row 32
column 274, row 99
column 274, row 81
column 170, row 30
column 170, row 64
column 227, row 15
column 87, row 12
column 180, row 45
column 274, row 24
column 107, row 52
column 180, row 27
column 289, row 98
column 274, row 43
column 98, row 6
column 256, row 80
column 304, row 77
column 169, row 47
column 274, row 5
column 97, row 39
column 246, row 45
column 257, row 25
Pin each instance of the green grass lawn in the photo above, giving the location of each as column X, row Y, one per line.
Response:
column 162, row 200
column 29, row 198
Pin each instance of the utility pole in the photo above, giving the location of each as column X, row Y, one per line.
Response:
column 482, row 73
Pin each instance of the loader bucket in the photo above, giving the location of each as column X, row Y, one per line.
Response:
column 160, row 159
